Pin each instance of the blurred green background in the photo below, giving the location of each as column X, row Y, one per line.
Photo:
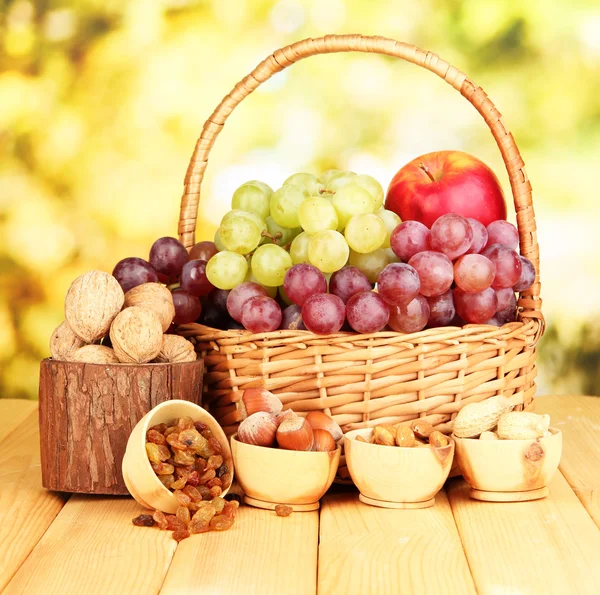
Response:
column 101, row 102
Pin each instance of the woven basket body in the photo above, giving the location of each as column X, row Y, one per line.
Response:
column 385, row 377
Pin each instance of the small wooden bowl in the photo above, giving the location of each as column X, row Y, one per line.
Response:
column 509, row 470
column 140, row 479
column 396, row 477
column 271, row 476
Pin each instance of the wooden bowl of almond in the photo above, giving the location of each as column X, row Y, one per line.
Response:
column 284, row 462
column 504, row 455
column 402, row 466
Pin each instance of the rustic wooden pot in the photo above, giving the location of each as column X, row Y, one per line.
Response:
column 396, row 477
column 509, row 470
column 271, row 476
column 87, row 412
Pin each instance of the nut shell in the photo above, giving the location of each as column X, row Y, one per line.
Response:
column 64, row 342
column 405, row 436
column 295, row 433
column 321, row 421
column 92, row 303
column 95, row 354
column 323, row 441
column 522, row 425
column 176, row 349
column 258, row 429
column 422, row 428
column 475, row 418
column 136, row 335
column 155, row 297
column 384, row 435
column 259, row 399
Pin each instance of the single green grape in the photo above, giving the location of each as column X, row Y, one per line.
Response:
column 218, row 242
column 328, row 251
column 391, row 221
column 365, row 233
column 265, row 187
column 391, row 255
column 285, row 204
column 269, row 264
column 372, row 186
column 307, row 182
column 252, row 198
column 283, row 235
column 240, row 234
column 246, row 214
column 351, row 200
column 370, row 264
column 326, row 176
column 226, row 270
column 272, row 291
column 317, row 214
column 338, row 181
column 299, row 248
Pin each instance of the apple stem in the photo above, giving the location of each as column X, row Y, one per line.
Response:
column 426, row 170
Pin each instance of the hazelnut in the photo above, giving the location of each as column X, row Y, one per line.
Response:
column 136, row 335
column 283, row 415
column 64, row 342
column 295, row 433
column 258, row 429
column 323, row 441
column 176, row 349
column 405, row 436
column 321, row 421
column 421, row 428
column 437, row 439
column 259, row 399
column 95, row 354
column 92, row 303
column 384, row 435
column 155, row 297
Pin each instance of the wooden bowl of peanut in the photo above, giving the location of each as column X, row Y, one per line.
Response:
column 398, row 467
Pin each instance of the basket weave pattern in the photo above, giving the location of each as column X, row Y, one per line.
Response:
column 385, row 377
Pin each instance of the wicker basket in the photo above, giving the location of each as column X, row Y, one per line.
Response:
column 385, row 377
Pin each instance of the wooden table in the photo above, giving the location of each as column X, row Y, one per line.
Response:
column 50, row 543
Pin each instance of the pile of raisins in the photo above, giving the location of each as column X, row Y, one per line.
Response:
column 188, row 460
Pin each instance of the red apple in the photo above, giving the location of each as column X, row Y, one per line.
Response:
column 446, row 182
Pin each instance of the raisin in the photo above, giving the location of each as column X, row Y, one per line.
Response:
column 222, row 470
column 192, row 439
column 204, row 492
column 144, row 520
column 226, row 479
column 205, row 451
column 183, row 514
column 215, row 445
column 178, row 484
column 183, row 458
column 155, row 437
column 282, row 510
column 173, row 440
column 160, row 519
column 231, row 508
column 215, row 481
column 180, row 535
column 200, row 465
column 199, row 526
column 207, row 475
column 182, row 497
column 170, row 430
column 153, row 452
column 200, row 427
column 219, row 504
column 214, row 462
column 221, row 522
column 167, row 480
column 194, row 506
column 206, row 433
column 174, row 523
column 215, row 491
column 234, row 498
column 160, row 428
column 193, row 478
column 163, row 468
column 205, row 512
column 185, row 423
column 193, row 493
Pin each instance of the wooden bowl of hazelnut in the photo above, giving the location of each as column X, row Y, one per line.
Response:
column 282, row 458
column 395, row 468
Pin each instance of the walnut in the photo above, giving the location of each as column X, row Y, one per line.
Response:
column 136, row 335
column 95, row 354
column 92, row 302
column 153, row 296
column 64, row 342
column 176, row 349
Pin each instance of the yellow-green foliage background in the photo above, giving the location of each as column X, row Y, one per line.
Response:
column 101, row 102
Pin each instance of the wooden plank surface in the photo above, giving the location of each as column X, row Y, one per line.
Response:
column 12, row 413
column 365, row 549
column 578, row 418
column 92, row 547
column 26, row 508
column 261, row 554
column 549, row 546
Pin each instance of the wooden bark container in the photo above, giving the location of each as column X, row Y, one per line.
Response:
column 87, row 412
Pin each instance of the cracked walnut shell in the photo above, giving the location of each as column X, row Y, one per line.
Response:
column 95, row 354
column 64, row 342
column 92, row 302
column 153, row 296
column 136, row 335
column 176, row 349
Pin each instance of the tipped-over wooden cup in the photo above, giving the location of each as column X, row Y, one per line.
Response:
column 272, row 476
column 395, row 476
column 140, row 479
column 509, row 470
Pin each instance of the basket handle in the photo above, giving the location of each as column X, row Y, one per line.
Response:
column 529, row 302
